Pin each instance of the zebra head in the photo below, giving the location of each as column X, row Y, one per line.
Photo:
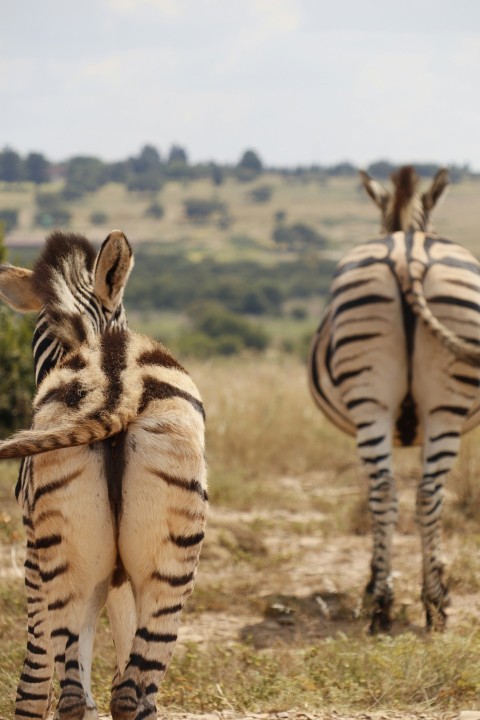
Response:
column 406, row 208
column 76, row 291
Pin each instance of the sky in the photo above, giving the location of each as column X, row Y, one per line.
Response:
column 299, row 81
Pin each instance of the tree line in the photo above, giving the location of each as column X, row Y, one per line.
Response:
column 149, row 170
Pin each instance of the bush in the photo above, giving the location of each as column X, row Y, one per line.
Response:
column 249, row 167
column 299, row 313
column 298, row 237
column 220, row 332
column 16, row 378
column 9, row 218
column 84, row 174
column 199, row 209
column 218, row 323
column 99, row 218
column 51, row 211
column 155, row 210
column 261, row 194
column 149, row 181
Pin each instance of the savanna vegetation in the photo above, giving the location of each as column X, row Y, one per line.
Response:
column 233, row 265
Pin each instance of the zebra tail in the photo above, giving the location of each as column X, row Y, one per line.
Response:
column 415, row 296
column 35, row 442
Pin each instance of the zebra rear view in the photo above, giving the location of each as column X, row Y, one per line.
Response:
column 396, row 361
column 114, row 487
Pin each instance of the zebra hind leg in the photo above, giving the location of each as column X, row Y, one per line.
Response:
column 35, row 690
column 440, row 452
column 375, row 447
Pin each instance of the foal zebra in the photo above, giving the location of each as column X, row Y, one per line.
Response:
column 116, row 488
column 396, row 361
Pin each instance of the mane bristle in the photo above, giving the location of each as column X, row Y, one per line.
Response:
column 405, row 181
column 65, row 264
column 63, row 252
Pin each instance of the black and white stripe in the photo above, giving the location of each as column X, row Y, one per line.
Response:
column 396, row 362
column 119, row 515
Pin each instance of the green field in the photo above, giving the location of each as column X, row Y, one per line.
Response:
column 338, row 207
column 236, row 244
column 276, row 621
column 287, row 539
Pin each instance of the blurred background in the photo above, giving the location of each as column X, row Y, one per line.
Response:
column 224, row 137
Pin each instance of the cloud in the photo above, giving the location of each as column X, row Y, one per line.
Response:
column 167, row 8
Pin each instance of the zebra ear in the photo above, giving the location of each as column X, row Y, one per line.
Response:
column 439, row 184
column 16, row 289
column 376, row 191
column 112, row 268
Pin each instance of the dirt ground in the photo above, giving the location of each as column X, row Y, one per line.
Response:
column 296, row 587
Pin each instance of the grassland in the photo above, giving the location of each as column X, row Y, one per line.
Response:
column 275, row 621
column 337, row 207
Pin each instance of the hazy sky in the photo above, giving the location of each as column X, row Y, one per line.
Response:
column 300, row 81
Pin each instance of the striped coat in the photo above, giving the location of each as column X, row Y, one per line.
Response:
column 115, row 490
column 395, row 361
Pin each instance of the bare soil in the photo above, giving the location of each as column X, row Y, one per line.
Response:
column 260, row 581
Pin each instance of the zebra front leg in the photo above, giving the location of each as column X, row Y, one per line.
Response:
column 34, row 690
column 375, row 448
column 440, row 452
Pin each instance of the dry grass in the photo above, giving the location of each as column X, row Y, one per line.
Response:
column 338, row 208
column 289, row 516
column 262, row 425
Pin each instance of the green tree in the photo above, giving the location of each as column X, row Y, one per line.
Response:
column 147, row 160
column 51, row 210
column 16, row 378
column 9, row 218
column 84, row 174
column 11, row 166
column 217, row 174
column 261, row 194
column 146, row 173
column 249, row 166
column 36, row 168
column 298, row 236
column 251, row 161
column 199, row 209
column 155, row 210
column 177, row 154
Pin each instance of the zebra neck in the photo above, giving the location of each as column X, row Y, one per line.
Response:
column 48, row 350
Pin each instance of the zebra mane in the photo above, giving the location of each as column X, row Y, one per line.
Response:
column 405, row 181
column 64, row 268
column 405, row 210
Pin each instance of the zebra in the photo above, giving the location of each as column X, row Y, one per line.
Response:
column 395, row 361
column 113, row 483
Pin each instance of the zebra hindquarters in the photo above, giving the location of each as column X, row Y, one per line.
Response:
column 160, row 535
column 75, row 546
column 446, row 392
column 369, row 366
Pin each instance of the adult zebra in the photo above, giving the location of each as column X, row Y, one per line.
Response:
column 395, row 361
column 120, row 511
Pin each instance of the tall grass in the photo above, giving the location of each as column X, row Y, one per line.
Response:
column 279, row 470
column 261, row 425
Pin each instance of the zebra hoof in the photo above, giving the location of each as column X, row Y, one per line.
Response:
column 148, row 711
column 124, row 704
column 381, row 622
column 436, row 617
column 71, row 705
